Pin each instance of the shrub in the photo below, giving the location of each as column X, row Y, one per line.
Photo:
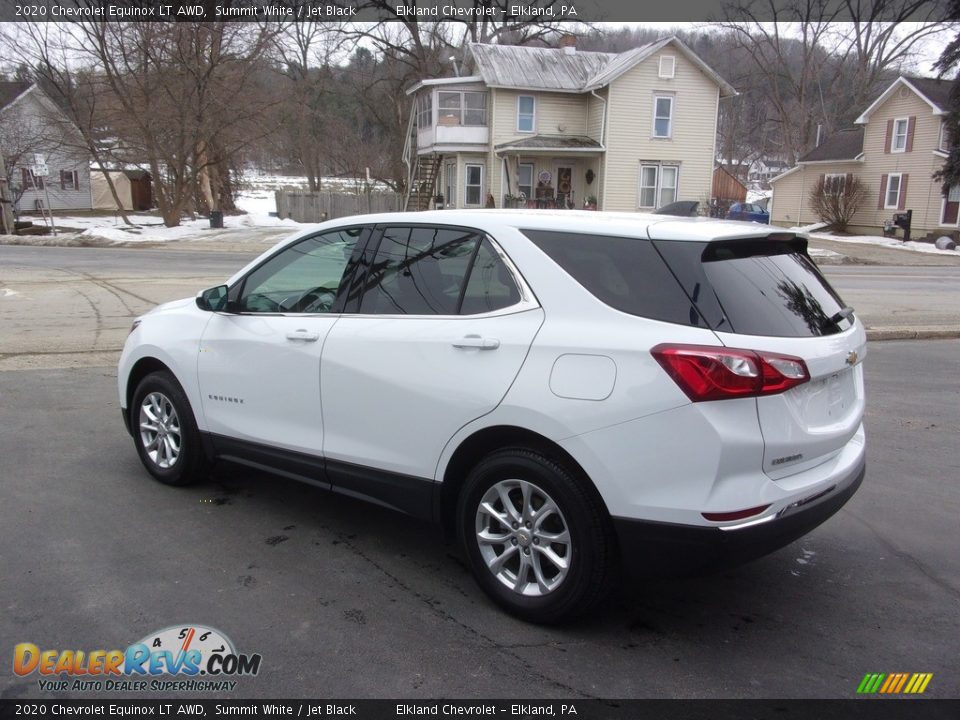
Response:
column 836, row 199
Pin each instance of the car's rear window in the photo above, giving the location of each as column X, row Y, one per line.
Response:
column 756, row 287
column 625, row 273
column 767, row 286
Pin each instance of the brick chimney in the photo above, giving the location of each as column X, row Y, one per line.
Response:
column 568, row 42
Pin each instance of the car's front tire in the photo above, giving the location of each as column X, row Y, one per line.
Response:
column 537, row 536
column 165, row 431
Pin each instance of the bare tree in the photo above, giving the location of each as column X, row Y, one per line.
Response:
column 77, row 91
column 836, row 200
column 183, row 94
column 822, row 62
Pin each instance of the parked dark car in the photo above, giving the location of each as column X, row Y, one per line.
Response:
column 681, row 208
column 750, row 212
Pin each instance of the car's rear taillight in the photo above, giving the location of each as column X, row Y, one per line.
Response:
column 705, row 372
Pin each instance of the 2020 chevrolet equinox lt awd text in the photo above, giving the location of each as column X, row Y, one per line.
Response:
column 565, row 392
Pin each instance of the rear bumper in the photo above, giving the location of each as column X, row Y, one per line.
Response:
column 667, row 549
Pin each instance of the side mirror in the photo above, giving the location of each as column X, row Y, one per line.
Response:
column 213, row 299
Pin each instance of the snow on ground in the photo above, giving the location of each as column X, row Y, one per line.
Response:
column 921, row 247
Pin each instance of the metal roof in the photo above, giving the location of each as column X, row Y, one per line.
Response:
column 537, row 68
column 571, row 70
column 552, row 142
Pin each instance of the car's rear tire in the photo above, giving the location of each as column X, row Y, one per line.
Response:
column 537, row 537
column 165, row 431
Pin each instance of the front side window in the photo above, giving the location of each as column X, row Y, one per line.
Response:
column 658, row 185
column 898, row 143
column 303, row 278
column 526, row 113
column 893, row 191
column 662, row 116
column 418, row 271
column 473, row 184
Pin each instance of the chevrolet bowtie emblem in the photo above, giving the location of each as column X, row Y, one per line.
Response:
column 852, row 358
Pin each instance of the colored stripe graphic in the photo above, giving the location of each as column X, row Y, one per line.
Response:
column 894, row 683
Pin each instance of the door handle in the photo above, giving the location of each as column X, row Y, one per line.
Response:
column 304, row 335
column 475, row 341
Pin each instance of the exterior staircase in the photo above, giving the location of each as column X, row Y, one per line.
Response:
column 423, row 182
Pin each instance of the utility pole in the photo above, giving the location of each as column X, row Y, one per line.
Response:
column 6, row 200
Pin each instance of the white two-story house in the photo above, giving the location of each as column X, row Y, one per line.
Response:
column 559, row 127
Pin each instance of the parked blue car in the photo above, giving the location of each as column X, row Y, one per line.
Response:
column 750, row 212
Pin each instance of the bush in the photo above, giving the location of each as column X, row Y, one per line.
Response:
column 836, row 200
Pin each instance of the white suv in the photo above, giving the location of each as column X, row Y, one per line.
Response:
column 564, row 391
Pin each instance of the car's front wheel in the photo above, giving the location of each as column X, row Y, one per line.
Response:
column 536, row 535
column 165, row 432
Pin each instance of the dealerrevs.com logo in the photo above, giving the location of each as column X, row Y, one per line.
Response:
column 197, row 657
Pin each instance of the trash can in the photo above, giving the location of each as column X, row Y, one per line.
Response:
column 216, row 219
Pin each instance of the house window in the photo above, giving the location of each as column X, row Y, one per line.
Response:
column 662, row 115
column 658, row 185
column 475, row 108
column 526, row 113
column 525, row 179
column 462, row 108
column 951, row 207
column 833, row 183
column 898, row 142
column 448, row 108
column 424, row 110
column 69, row 180
column 30, row 181
column 668, row 64
column 892, row 196
column 473, row 184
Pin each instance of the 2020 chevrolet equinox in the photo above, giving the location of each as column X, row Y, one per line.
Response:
column 566, row 392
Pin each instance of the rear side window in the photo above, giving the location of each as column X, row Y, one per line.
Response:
column 770, row 287
column 625, row 273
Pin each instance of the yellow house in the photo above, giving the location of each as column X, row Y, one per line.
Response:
column 899, row 144
column 560, row 127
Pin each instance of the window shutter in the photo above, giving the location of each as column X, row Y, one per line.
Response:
column 886, row 143
column 63, row 179
column 25, row 177
column 911, row 126
column 76, row 180
column 902, row 202
column 883, row 191
column 823, row 179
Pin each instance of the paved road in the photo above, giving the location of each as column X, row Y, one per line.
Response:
column 72, row 307
column 344, row 599
column 885, row 296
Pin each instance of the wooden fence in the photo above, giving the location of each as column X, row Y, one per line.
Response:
column 311, row 207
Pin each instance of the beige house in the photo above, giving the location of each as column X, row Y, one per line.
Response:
column 899, row 144
column 560, row 127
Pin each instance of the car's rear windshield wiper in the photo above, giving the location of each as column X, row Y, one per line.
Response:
column 834, row 320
